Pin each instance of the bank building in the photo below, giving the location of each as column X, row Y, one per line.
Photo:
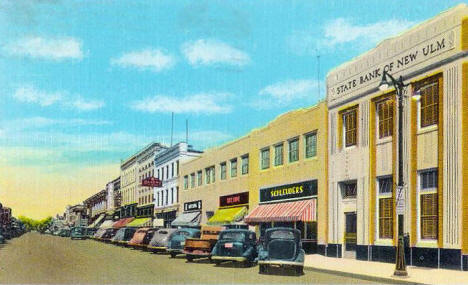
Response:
column 366, row 210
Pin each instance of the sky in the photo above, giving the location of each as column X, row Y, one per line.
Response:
column 85, row 84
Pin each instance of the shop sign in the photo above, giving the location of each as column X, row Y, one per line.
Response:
column 289, row 191
column 151, row 182
column 233, row 200
column 193, row 206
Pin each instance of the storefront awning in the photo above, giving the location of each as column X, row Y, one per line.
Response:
column 97, row 221
column 227, row 216
column 189, row 219
column 122, row 223
column 141, row 222
column 107, row 224
column 305, row 211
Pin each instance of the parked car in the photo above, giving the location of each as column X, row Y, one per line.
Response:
column 78, row 233
column 202, row 247
column 160, row 239
column 90, row 232
column 2, row 239
column 177, row 242
column 107, row 234
column 123, row 235
column 238, row 245
column 142, row 237
column 281, row 247
column 64, row 233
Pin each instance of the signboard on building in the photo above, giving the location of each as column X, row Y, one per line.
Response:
column 151, row 182
column 289, row 191
column 234, row 199
column 193, row 206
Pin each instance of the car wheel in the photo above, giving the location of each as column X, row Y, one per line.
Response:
column 247, row 264
column 299, row 270
column 173, row 254
column 217, row 262
column 262, row 268
column 189, row 258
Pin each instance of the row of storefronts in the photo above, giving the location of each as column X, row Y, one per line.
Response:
column 331, row 171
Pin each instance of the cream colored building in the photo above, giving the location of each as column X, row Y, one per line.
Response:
column 279, row 166
column 432, row 58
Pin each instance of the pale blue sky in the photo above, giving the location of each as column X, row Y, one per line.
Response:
column 89, row 82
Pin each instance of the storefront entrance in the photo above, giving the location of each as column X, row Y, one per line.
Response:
column 350, row 235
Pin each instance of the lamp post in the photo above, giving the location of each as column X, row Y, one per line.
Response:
column 400, row 266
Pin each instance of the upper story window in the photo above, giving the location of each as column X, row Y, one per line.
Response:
column 294, row 150
column 199, row 178
column 279, row 154
column 210, row 175
column 245, row 164
column 192, row 180
column 234, row 167
column 429, row 103
column 172, row 169
column 223, row 170
column 265, row 158
column 186, row 182
column 310, row 145
column 349, row 189
column 386, row 185
column 385, row 118
column 350, row 127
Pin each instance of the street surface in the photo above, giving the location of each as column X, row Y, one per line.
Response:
column 36, row 258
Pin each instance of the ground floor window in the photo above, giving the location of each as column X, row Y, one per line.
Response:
column 428, row 203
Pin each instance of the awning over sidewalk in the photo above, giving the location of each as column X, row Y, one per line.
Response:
column 107, row 224
column 141, row 222
column 189, row 219
column 122, row 223
column 227, row 216
column 305, row 211
column 97, row 221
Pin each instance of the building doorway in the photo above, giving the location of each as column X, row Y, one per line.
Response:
column 350, row 238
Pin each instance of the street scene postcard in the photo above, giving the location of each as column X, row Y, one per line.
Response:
column 233, row 142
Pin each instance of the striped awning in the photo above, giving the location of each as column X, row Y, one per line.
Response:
column 141, row 222
column 305, row 211
column 122, row 223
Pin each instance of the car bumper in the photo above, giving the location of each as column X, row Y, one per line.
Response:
column 229, row 258
column 157, row 248
column 178, row 250
column 280, row 263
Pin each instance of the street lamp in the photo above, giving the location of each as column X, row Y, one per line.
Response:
column 400, row 266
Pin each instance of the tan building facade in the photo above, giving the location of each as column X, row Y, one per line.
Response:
column 283, row 162
column 366, row 210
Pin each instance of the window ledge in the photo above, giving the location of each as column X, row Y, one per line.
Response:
column 385, row 140
column 428, row 129
column 427, row 243
column 311, row 158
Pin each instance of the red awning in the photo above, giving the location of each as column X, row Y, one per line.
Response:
column 305, row 211
column 122, row 222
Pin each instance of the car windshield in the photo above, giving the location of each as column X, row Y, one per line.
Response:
column 78, row 230
column 233, row 236
column 183, row 233
column 282, row 234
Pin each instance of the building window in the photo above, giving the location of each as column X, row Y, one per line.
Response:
column 172, row 193
column 265, row 158
column 349, row 189
column 177, row 166
column 385, row 207
column 234, row 167
column 172, row 169
column 294, row 150
column 245, row 164
column 208, row 175
column 167, row 197
column 350, row 127
column 192, row 180
column 311, row 145
column 177, row 194
column 200, row 178
column 279, row 154
column 162, row 173
column 213, row 174
column 223, row 170
column 167, row 171
column 429, row 104
column 186, row 182
column 429, row 204
column 385, row 117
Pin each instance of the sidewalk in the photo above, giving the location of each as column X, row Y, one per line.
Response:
column 383, row 272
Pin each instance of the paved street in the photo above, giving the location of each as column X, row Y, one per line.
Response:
column 35, row 258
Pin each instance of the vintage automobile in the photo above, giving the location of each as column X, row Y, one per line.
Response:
column 238, row 245
column 78, row 233
column 142, row 237
column 177, row 241
column 2, row 239
column 107, row 234
column 281, row 247
column 123, row 235
column 90, row 232
column 64, row 233
column 202, row 247
column 160, row 239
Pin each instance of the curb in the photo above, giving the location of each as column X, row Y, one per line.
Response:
column 388, row 280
